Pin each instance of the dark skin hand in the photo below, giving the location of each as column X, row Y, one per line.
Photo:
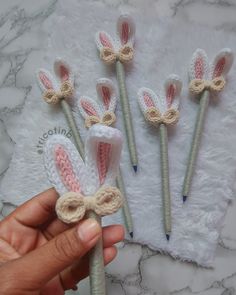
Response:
column 41, row 255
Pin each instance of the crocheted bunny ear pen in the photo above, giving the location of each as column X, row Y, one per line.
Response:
column 59, row 90
column 53, row 94
column 82, row 194
column 161, row 112
column 205, row 80
column 104, row 113
column 121, row 52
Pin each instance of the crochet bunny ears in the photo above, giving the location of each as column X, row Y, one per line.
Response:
column 163, row 108
column 102, row 112
column 120, row 48
column 209, row 76
column 69, row 174
column 60, row 86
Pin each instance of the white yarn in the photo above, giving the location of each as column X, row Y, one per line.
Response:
column 100, row 133
column 86, row 173
column 55, row 80
column 117, row 42
column 177, row 82
column 74, row 157
column 197, row 54
column 229, row 57
column 99, row 107
column 154, row 97
column 208, row 69
column 113, row 100
column 160, row 101
column 92, row 103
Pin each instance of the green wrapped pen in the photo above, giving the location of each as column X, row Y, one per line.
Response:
column 56, row 92
column 161, row 112
column 205, row 80
column 104, row 113
column 110, row 53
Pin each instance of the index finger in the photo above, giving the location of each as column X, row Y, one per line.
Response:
column 37, row 210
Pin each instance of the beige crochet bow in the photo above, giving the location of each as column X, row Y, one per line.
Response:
column 109, row 56
column 72, row 206
column 107, row 119
column 154, row 116
column 52, row 96
column 196, row 86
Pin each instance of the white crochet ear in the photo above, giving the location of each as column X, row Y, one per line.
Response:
column 222, row 63
column 106, row 165
column 103, row 39
column 199, row 66
column 88, row 107
column 172, row 87
column 126, row 29
column 147, row 99
column 65, row 168
column 106, row 93
column 63, row 71
column 45, row 80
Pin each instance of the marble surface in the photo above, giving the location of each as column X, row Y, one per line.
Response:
column 136, row 270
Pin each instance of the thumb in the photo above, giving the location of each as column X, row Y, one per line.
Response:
column 42, row 264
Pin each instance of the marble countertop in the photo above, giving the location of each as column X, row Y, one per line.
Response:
column 136, row 270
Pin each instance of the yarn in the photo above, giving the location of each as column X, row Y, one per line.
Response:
column 196, row 86
column 154, row 116
column 72, row 206
column 52, row 96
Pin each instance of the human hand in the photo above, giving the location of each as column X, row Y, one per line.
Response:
column 41, row 255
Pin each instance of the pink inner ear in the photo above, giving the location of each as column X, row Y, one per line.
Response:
column 103, row 154
column 89, row 109
column 65, row 168
column 219, row 67
column 170, row 94
column 125, row 33
column 148, row 100
column 46, row 82
column 199, row 68
column 105, row 41
column 64, row 73
column 106, row 96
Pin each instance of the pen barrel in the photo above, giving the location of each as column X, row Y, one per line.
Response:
column 126, row 113
column 165, row 178
column 71, row 123
column 125, row 209
column 204, row 101
column 96, row 264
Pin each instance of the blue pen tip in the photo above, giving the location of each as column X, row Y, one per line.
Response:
column 135, row 168
column 184, row 198
column 168, row 237
column 131, row 234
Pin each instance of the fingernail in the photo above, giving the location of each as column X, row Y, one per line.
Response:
column 88, row 230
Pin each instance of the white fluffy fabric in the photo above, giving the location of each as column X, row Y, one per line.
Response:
column 161, row 48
